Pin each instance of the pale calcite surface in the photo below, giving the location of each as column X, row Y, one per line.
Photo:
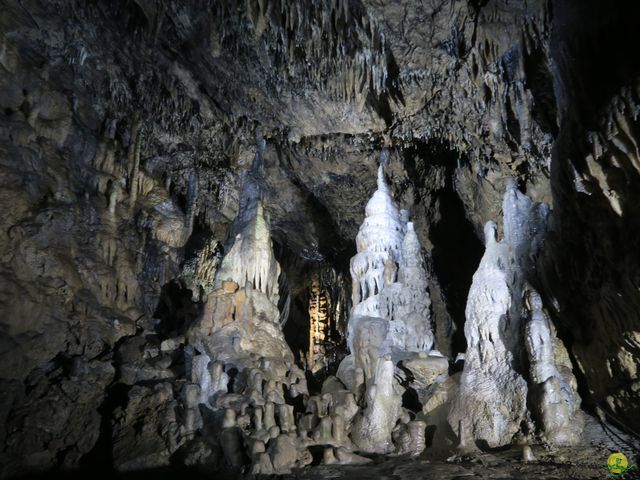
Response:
column 491, row 402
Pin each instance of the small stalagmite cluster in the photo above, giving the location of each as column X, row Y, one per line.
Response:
column 244, row 384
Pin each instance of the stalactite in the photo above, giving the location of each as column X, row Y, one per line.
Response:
column 192, row 196
column 320, row 325
column 134, row 161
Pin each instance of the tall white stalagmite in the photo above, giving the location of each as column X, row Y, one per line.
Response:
column 492, row 399
column 379, row 241
column 415, row 310
column 390, row 318
column 388, row 274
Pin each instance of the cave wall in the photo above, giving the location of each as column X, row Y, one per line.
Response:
column 542, row 91
column 594, row 180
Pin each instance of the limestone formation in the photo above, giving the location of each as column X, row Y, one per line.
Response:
column 556, row 402
column 390, row 319
column 372, row 430
column 492, row 398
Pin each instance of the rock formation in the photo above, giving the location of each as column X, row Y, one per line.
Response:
column 491, row 403
column 239, row 330
column 390, row 320
column 556, row 403
column 389, row 278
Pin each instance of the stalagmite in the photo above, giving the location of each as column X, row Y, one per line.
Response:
column 269, row 419
column 527, row 454
column 390, row 318
column 328, row 457
column 492, row 402
column 285, row 418
column 323, row 432
column 555, row 401
column 378, row 239
column 240, row 329
column 492, row 399
column 417, row 432
column 372, row 430
column 115, row 193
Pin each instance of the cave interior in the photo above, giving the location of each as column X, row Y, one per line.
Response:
column 319, row 239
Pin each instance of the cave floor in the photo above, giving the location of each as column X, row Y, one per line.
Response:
column 568, row 463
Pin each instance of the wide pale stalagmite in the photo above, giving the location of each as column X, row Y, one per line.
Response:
column 240, row 329
column 492, row 398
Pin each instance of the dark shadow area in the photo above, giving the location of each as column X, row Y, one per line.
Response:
column 539, row 79
column 292, row 235
column 594, row 48
column 456, row 256
column 456, row 250
column 98, row 473
column 200, row 237
column 175, row 310
column 484, row 446
column 592, row 251
column 101, row 456
column 296, row 330
column 410, row 400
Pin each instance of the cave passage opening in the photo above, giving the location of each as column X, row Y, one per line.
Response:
column 315, row 328
column 457, row 250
